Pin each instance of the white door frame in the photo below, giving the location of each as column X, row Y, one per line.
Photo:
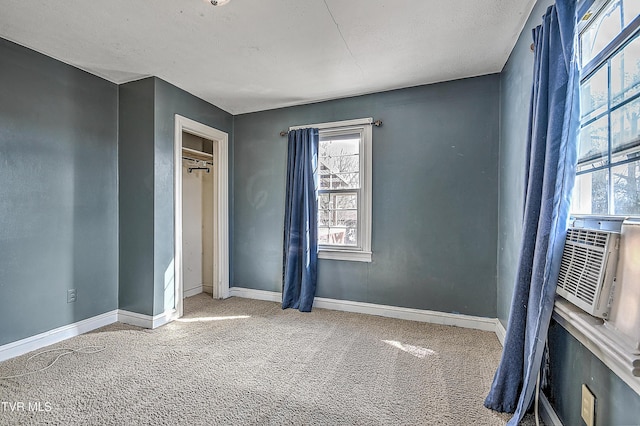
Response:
column 220, row 207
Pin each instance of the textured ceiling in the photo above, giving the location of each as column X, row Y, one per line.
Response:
column 252, row 55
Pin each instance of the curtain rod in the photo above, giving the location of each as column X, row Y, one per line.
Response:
column 376, row 123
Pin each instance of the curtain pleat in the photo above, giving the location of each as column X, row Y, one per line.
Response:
column 300, row 262
column 551, row 158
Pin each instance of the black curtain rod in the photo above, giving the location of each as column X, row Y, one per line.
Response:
column 376, row 123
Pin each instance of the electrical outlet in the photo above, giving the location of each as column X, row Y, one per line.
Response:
column 72, row 296
column 588, row 406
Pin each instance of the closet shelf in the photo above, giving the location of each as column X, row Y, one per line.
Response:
column 198, row 155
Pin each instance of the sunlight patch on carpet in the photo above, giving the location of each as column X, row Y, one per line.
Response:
column 207, row 319
column 416, row 351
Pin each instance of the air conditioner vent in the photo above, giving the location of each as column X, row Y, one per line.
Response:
column 587, row 271
column 588, row 237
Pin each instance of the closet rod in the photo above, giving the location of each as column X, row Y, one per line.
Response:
column 197, row 160
column 199, row 168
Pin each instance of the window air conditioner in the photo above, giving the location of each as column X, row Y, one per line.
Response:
column 588, row 269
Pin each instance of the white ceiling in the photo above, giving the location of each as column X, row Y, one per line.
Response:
column 252, row 55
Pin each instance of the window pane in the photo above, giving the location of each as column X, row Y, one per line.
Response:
column 626, row 188
column 626, row 155
column 340, row 154
column 340, row 162
column 340, row 201
column 625, row 130
column 337, row 236
column 323, row 235
column 324, row 218
column 625, row 72
column 590, row 194
column 344, row 201
column 593, row 145
column 631, row 10
column 344, row 218
column 323, row 201
column 594, row 93
column 601, row 31
column 339, row 180
column 338, row 218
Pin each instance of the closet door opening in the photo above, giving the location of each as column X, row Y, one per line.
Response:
column 201, row 213
column 198, row 232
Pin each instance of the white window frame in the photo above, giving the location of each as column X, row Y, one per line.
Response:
column 361, row 253
column 587, row 70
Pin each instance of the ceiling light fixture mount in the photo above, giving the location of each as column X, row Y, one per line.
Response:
column 219, row 2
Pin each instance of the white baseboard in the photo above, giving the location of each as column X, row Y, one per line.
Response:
column 192, row 291
column 434, row 317
column 547, row 413
column 20, row 347
column 249, row 293
column 145, row 321
column 501, row 333
column 29, row 344
column 207, row 288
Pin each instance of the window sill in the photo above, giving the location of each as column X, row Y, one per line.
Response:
column 354, row 256
column 603, row 342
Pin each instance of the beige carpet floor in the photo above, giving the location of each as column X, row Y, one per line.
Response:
column 242, row 361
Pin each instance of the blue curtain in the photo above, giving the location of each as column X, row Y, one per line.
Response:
column 551, row 155
column 300, row 221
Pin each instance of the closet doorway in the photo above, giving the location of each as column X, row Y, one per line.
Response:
column 198, row 172
column 200, row 211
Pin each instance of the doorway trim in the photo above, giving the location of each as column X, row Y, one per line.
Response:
column 220, row 207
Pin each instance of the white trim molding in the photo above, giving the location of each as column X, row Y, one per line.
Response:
column 146, row 321
column 420, row 315
column 351, row 255
column 547, row 413
column 196, row 290
column 249, row 293
column 39, row 341
column 433, row 317
column 501, row 332
column 601, row 341
column 20, row 347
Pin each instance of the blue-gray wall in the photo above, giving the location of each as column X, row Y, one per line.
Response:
column 136, row 195
column 147, row 123
column 435, row 198
column 58, row 198
column 571, row 363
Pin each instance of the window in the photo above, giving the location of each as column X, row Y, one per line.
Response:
column 344, row 190
column 608, row 172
